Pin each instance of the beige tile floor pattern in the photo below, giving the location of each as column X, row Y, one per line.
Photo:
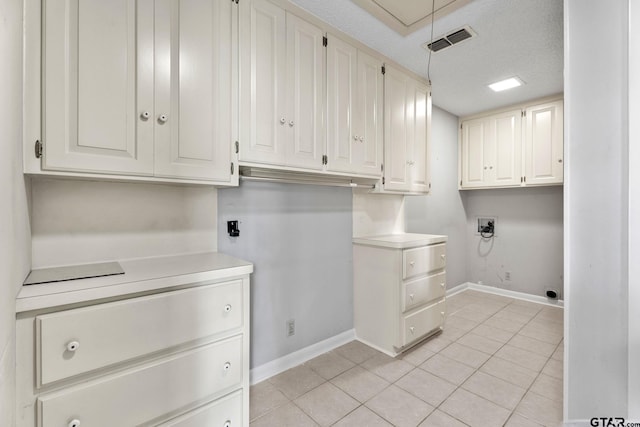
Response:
column 498, row 362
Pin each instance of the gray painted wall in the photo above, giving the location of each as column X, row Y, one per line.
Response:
column 299, row 239
column 528, row 242
column 442, row 212
column 596, row 200
column 15, row 241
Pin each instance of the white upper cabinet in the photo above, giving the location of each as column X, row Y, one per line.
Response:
column 98, row 81
column 281, row 88
column 544, row 144
column 491, row 150
column 407, row 115
column 354, row 111
column 140, row 88
column 193, row 75
column 514, row 148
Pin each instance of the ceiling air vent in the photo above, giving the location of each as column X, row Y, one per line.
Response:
column 450, row 39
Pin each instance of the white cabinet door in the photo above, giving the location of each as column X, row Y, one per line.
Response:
column 193, row 77
column 491, row 151
column 367, row 153
column 98, row 81
column 419, row 105
column 305, row 94
column 342, row 91
column 505, row 159
column 354, row 111
column 407, row 115
column 263, row 121
column 396, row 175
column 544, row 144
column 474, row 139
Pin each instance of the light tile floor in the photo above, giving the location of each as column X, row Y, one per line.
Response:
column 498, row 362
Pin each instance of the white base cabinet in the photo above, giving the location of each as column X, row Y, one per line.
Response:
column 175, row 356
column 399, row 289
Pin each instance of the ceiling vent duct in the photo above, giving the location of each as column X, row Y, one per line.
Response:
column 450, row 39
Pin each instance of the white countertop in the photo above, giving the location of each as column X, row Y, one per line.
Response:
column 400, row 241
column 140, row 275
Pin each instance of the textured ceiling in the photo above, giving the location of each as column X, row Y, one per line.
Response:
column 514, row 37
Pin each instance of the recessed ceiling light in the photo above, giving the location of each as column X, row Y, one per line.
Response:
column 509, row 83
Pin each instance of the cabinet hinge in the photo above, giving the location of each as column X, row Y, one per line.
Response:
column 460, row 126
column 237, row 147
column 381, row 167
column 325, row 159
column 38, row 149
column 521, row 180
column 325, row 41
column 525, row 179
column 429, row 186
column 460, row 183
column 235, row 1
column 232, row 168
column 384, row 70
column 383, row 180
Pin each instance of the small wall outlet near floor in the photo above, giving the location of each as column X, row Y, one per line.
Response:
column 291, row 327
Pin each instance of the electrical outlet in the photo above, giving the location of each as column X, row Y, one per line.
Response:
column 507, row 275
column 291, row 327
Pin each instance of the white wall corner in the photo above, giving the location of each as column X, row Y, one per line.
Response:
column 269, row 369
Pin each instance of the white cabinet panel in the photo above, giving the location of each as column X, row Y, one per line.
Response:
column 281, row 87
column 514, row 148
column 98, row 79
column 262, row 86
column 193, row 88
column 354, row 119
column 544, row 144
column 491, row 153
column 305, row 87
column 139, row 88
column 407, row 111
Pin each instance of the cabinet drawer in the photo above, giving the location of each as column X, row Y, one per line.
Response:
column 423, row 290
column 420, row 323
column 226, row 411
column 423, row 260
column 109, row 333
column 146, row 393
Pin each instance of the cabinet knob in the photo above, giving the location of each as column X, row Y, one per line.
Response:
column 282, row 120
column 227, row 366
column 443, row 257
column 227, row 308
column 412, row 329
column 410, row 162
column 442, row 285
column 73, row 346
column 361, row 139
column 486, row 167
column 162, row 118
column 355, row 138
column 227, row 423
column 559, row 160
column 412, row 263
column 74, row 423
column 145, row 115
column 490, row 167
column 411, row 296
column 290, row 123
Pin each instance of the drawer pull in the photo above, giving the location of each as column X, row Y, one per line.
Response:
column 411, row 296
column 412, row 263
column 74, row 423
column 227, row 366
column 442, row 285
column 227, row 423
column 227, row 308
column 443, row 256
column 412, row 329
column 73, row 346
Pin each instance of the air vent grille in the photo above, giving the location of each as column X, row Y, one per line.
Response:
column 450, row 39
column 438, row 45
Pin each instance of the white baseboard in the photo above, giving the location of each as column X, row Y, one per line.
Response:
column 506, row 293
column 269, row 369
